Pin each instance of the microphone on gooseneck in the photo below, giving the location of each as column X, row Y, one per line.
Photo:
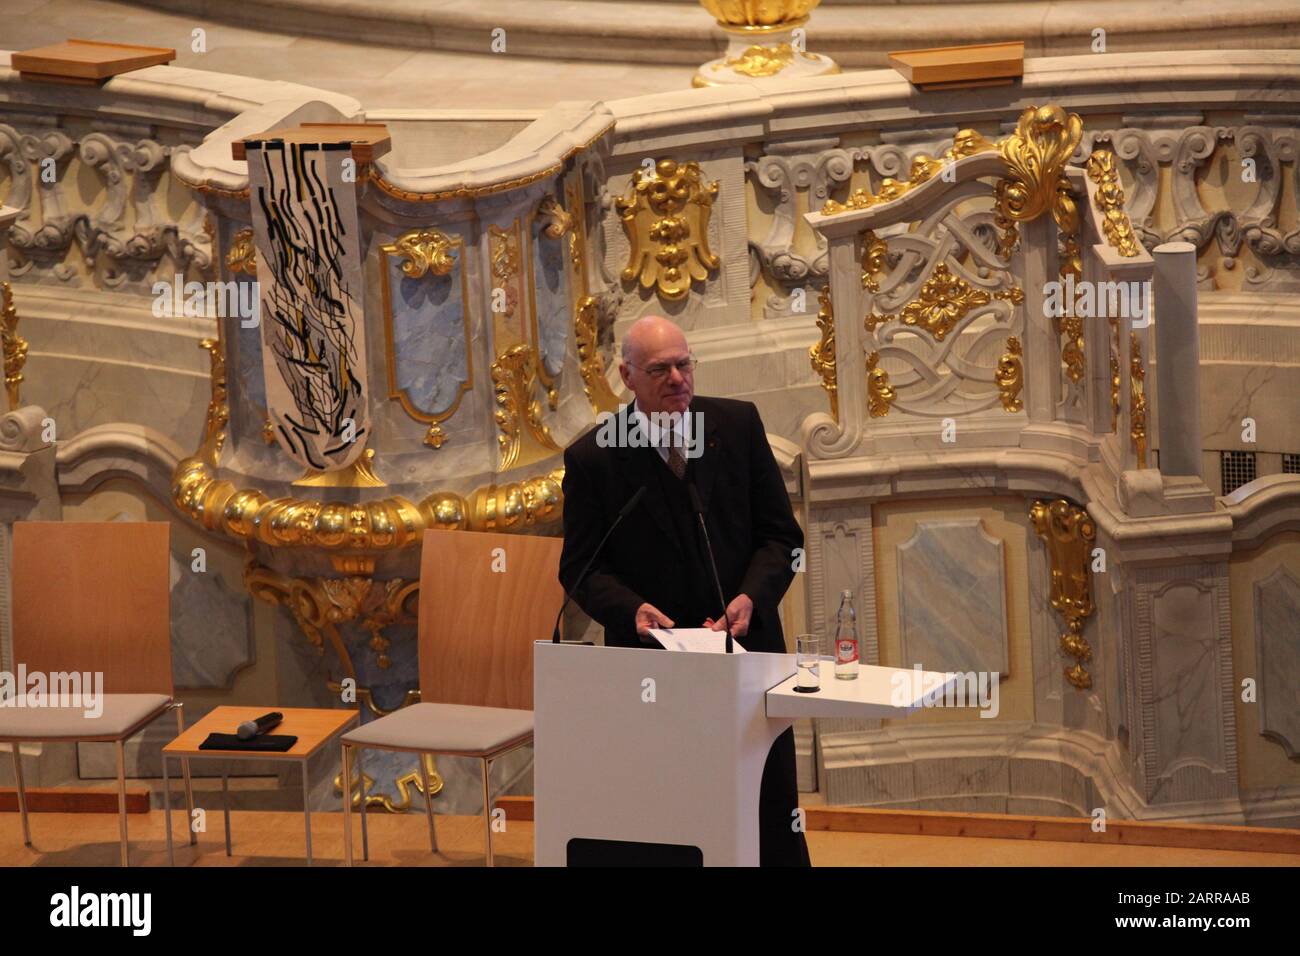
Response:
column 264, row 724
column 568, row 596
column 713, row 564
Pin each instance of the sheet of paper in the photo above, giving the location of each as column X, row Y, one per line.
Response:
column 701, row 640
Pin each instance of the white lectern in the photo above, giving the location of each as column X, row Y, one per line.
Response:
column 661, row 751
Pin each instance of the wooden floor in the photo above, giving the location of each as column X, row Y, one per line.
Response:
column 277, row 838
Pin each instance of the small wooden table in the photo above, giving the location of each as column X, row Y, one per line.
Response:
column 313, row 727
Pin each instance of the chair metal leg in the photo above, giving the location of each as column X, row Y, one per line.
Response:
column 185, row 773
column 306, row 808
column 361, row 785
column 22, row 796
column 487, row 810
column 121, row 798
column 347, row 805
column 428, row 802
column 167, row 812
column 225, row 806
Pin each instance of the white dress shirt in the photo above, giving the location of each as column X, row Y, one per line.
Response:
column 662, row 439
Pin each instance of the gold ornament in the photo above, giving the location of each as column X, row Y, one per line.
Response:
column 558, row 222
column 944, row 300
column 1010, row 376
column 424, row 252
column 1070, row 535
column 242, row 256
column 759, row 16
column 14, row 345
column 822, row 354
column 1109, row 200
column 874, row 251
column 514, row 375
column 1137, row 393
column 214, row 430
column 879, row 391
column 590, row 365
column 762, row 60
column 666, row 218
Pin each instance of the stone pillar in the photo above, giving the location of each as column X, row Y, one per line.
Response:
column 1178, row 352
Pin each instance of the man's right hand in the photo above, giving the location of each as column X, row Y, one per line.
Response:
column 648, row 616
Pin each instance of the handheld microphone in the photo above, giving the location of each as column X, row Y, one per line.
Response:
column 627, row 509
column 713, row 564
column 264, row 724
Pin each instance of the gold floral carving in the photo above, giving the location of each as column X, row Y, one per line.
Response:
column 320, row 605
column 242, row 256
column 944, row 300
column 874, row 251
column 879, row 392
column 590, row 364
column 405, row 783
column 14, row 345
column 1010, row 375
column 558, row 221
column 1109, row 200
column 503, row 247
column 666, row 218
column 1138, row 400
column 1114, row 390
column 214, row 430
column 822, row 354
column 514, row 374
column 424, row 252
column 762, row 60
column 1069, row 535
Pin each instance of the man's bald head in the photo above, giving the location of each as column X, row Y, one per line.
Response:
column 654, row 343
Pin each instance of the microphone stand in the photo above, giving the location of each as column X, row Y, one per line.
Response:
column 627, row 508
column 713, row 564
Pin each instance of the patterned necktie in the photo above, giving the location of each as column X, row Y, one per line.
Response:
column 676, row 462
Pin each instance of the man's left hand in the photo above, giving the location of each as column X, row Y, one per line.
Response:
column 739, row 611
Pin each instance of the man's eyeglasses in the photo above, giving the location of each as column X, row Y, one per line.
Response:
column 662, row 369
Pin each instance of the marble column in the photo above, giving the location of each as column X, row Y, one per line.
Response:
column 1178, row 352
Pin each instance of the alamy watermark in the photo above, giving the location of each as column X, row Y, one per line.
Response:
column 655, row 430
column 1107, row 300
column 934, row 689
column 70, row 689
column 214, row 300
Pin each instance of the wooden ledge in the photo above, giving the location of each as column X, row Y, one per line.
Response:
column 86, row 62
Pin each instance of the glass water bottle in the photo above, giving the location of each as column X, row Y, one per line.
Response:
column 846, row 638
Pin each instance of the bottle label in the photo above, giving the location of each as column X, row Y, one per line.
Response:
column 846, row 652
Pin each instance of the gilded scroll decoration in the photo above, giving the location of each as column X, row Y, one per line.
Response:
column 424, row 252
column 558, row 221
column 405, row 784
column 503, row 250
column 1114, row 390
column 590, row 364
column 1035, row 156
column 1138, row 400
column 665, row 215
column 14, row 345
column 1069, row 534
column 762, row 60
column 879, row 391
column 874, row 251
column 242, row 256
column 944, row 300
column 822, row 353
column 214, row 429
column 514, row 374
column 1109, row 200
column 1010, row 375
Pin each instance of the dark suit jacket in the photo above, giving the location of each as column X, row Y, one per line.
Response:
column 747, row 513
